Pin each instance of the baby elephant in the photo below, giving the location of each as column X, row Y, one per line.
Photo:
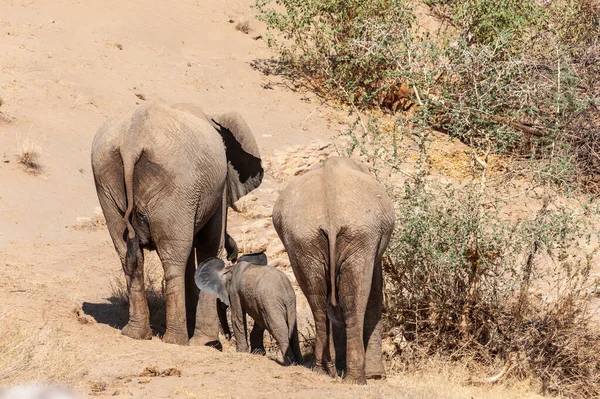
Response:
column 252, row 287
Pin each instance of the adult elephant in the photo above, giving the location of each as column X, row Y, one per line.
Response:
column 335, row 223
column 165, row 177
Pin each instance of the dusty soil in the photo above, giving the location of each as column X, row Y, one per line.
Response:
column 64, row 68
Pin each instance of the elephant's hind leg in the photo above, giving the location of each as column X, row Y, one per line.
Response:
column 257, row 339
column 138, row 326
column 372, row 330
column 354, row 286
column 311, row 277
column 174, row 255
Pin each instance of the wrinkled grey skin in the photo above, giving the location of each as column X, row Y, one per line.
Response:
column 165, row 177
column 261, row 291
column 335, row 223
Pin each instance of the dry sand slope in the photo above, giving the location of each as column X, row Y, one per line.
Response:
column 65, row 66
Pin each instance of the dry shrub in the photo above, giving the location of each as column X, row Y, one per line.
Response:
column 29, row 154
column 40, row 355
column 466, row 280
column 348, row 50
column 243, row 26
column 463, row 282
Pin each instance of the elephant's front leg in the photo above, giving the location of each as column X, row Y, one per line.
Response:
column 206, row 331
column 191, row 293
column 208, row 242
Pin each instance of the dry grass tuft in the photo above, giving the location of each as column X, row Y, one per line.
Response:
column 39, row 355
column 90, row 224
column 155, row 372
column 243, row 26
column 29, row 154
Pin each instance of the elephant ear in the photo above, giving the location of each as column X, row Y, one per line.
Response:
column 256, row 258
column 212, row 278
column 244, row 168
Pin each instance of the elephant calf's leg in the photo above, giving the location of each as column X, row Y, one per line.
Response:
column 138, row 326
column 282, row 336
column 238, row 323
column 257, row 339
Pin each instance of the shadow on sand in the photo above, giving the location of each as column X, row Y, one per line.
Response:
column 114, row 313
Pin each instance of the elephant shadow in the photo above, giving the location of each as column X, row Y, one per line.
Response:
column 114, row 312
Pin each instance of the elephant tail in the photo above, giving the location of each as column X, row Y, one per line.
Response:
column 333, row 311
column 332, row 237
column 133, row 242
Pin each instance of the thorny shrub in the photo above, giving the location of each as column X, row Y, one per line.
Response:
column 508, row 76
column 347, row 49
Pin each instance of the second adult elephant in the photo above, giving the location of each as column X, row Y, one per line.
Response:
column 165, row 177
column 335, row 223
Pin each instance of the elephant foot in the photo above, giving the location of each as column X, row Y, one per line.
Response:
column 134, row 332
column 375, row 373
column 202, row 340
column 176, row 338
column 356, row 380
column 326, row 368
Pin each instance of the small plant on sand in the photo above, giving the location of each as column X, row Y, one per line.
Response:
column 29, row 154
column 243, row 25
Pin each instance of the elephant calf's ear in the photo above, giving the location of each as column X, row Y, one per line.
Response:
column 257, row 258
column 210, row 278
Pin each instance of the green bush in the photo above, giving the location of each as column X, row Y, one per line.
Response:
column 511, row 76
column 465, row 282
column 348, row 49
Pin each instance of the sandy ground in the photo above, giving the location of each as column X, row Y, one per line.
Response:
column 65, row 67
